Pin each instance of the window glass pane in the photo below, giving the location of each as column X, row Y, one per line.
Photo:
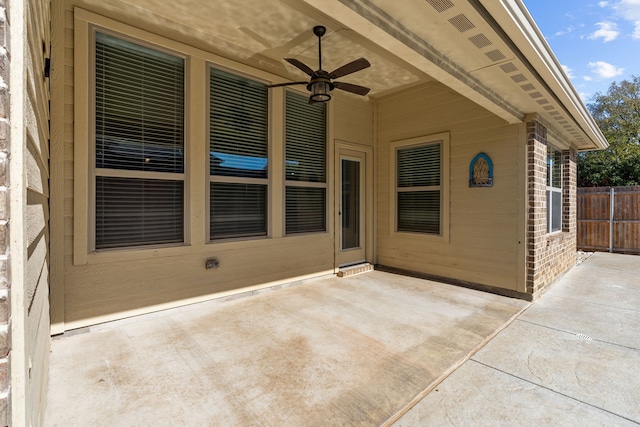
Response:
column 305, row 210
column 557, row 169
column 238, row 210
column 549, row 211
column 139, row 107
column 238, row 126
column 419, row 166
column 306, row 148
column 556, row 218
column 350, row 209
column 549, row 165
column 419, row 211
column 133, row 212
column 554, row 168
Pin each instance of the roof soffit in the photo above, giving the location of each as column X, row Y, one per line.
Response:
column 462, row 45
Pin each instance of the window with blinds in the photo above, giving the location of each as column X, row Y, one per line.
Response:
column 418, row 189
column 238, row 156
column 305, row 165
column 554, row 190
column 139, row 145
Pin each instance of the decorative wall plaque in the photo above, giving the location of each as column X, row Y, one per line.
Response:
column 481, row 171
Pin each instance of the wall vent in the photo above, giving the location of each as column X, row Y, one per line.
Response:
column 543, row 102
column 549, row 107
column 440, row 5
column 555, row 113
column 535, row 95
column 528, row 87
column 496, row 55
column 462, row 23
column 480, row 41
column 519, row 78
column 508, row 67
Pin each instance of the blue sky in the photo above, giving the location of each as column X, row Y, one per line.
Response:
column 596, row 41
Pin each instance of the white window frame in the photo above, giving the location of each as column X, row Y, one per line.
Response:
column 444, row 140
column 553, row 190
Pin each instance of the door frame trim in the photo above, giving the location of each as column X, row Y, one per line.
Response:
column 369, row 194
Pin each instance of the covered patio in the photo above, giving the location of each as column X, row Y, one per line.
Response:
column 358, row 350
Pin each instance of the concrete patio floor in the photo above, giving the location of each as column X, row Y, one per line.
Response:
column 333, row 351
column 373, row 349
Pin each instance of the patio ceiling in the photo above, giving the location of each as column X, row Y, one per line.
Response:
column 495, row 56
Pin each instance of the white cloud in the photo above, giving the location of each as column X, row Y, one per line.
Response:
column 585, row 96
column 587, row 78
column 603, row 4
column 605, row 70
column 629, row 10
column 568, row 71
column 607, row 31
column 563, row 32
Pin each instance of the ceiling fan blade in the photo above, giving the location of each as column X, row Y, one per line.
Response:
column 351, row 67
column 288, row 84
column 301, row 66
column 348, row 87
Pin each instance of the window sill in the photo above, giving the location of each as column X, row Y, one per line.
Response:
column 557, row 237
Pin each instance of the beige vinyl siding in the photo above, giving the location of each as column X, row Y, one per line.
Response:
column 114, row 284
column 354, row 119
column 29, row 213
column 483, row 243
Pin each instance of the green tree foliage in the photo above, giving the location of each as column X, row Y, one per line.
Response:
column 618, row 114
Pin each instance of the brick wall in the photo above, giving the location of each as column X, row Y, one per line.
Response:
column 5, row 342
column 548, row 255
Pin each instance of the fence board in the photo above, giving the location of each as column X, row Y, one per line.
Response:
column 594, row 219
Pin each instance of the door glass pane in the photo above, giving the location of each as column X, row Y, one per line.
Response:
column 350, row 204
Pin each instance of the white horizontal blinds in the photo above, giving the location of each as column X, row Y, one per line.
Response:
column 139, row 126
column 306, row 149
column 139, row 107
column 305, row 165
column 419, row 188
column 554, row 190
column 132, row 212
column 238, row 156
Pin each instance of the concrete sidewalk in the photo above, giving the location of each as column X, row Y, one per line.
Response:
column 572, row 358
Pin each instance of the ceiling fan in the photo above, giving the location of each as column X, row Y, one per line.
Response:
column 322, row 82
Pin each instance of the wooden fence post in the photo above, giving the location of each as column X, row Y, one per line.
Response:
column 612, row 207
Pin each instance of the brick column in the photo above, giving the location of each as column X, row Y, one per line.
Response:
column 5, row 280
column 537, row 202
column 548, row 255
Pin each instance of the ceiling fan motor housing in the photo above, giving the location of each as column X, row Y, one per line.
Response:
column 319, row 30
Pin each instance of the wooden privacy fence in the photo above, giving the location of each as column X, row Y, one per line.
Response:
column 609, row 219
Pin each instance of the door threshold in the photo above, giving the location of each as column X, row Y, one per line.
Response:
column 352, row 270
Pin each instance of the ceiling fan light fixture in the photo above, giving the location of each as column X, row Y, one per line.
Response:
column 320, row 91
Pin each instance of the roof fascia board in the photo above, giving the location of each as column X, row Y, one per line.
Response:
column 520, row 27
